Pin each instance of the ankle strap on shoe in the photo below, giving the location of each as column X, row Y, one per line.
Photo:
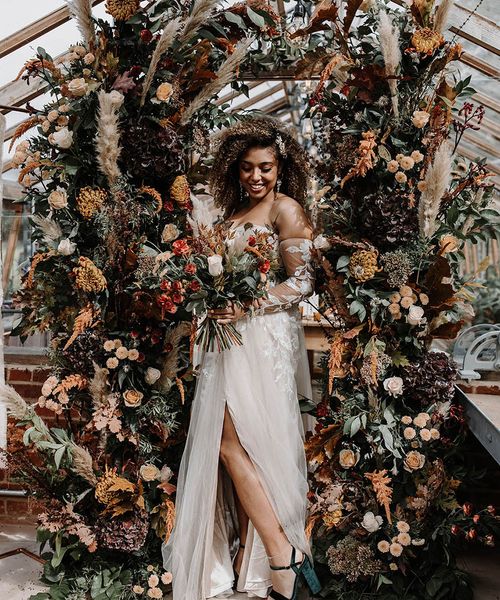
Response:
column 292, row 564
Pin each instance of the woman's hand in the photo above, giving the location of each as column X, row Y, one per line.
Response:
column 232, row 312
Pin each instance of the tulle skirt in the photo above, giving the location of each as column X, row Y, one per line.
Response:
column 260, row 382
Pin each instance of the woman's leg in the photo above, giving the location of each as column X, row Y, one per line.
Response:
column 256, row 505
column 242, row 530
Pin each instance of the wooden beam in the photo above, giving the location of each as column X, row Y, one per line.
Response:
column 487, row 101
column 19, row 92
column 479, row 65
column 258, row 97
column 36, row 29
column 484, row 146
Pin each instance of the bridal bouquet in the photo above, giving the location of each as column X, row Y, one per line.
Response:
column 211, row 271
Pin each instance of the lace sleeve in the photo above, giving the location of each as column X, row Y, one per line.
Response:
column 296, row 256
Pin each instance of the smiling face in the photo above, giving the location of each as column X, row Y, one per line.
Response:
column 258, row 172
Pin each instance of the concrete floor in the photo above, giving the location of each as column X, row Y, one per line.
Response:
column 19, row 574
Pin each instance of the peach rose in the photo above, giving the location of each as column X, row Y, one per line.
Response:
column 417, row 156
column 406, row 419
column 109, row 345
column 166, row 578
column 396, row 549
column 133, row 354
column 348, row 458
column 425, row 434
column 150, row 472
column 164, row 91
column 402, row 526
column 132, row 398
column 414, row 461
column 409, row 433
column 393, row 166
column 78, row 87
column 407, row 163
column 112, row 363
column 58, row 199
column 404, row 539
column 400, row 177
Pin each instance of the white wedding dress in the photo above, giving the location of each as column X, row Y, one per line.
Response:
column 260, row 382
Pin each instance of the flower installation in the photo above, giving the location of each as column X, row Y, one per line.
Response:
column 397, row 205
column 116, row 269
column 107, row 176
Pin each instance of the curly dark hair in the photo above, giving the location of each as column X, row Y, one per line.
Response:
column 261, row 132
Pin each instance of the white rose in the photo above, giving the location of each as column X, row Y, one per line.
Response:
column 58, row 199
column 420, row 118
column 415, row 315
column 78, row 87
column 371, row 522
column 116, row 98
column 393, row 385
column 170, row 232
column 62, row 138
column 66, row 247
column 215, row 265
column 321, row 242
column 152, row 375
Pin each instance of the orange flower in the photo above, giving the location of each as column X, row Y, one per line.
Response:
column 181, row 248
column 426, row 41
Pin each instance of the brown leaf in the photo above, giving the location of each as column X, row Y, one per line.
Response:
column 447, row 331
column 324, row 12
column 167, row 487
column 350, row 12
column 381, row 486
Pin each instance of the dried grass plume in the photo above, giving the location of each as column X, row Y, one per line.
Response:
column 166, row 40
column 82, row 463
column 202, row 10
column 108, row 135
column 81, row 12
column 389, row 44
column 441, row 15
column 16, row 406
column 224, row 75
column 437, row 180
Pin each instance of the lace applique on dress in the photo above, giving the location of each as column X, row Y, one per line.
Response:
column 296, row 257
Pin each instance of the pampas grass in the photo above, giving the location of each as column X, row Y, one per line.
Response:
column 108, row 135
column 441, row 15
column 224, row 75
column 437, row 180
column 82, row 463
column 16, row 407
column 166, row 40
column 389, row 44
column 81, row 12
column 199, row 16
column 51, row 229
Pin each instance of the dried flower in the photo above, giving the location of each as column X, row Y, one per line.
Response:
column 426, row 40
column 352, row 558
column 89, row 201
column 425, row 434
column 409, row 433
column 58, row 198
column 448, row 243
column 149, row 473
column 122, row 10
column 78, row 87
column 415, row 315
column 398, row 267
column 179, row 191
column 396, row 549
column 392, row 166
column 88, row 277
column 363, row 264
column 394, row 386
column 417, row 156
column 420, row 118
column 164, row 91
column 371, row 522
column 62, row 138
column 383, row 546
column 170, row 232
column 166, row 578
column 407, row 163
column 132, row 398
column 401, row 177
column 152, row 375
column 348, row 458
column 414, row 461
column 153, row 580
column 112, row 363
column 66, row 247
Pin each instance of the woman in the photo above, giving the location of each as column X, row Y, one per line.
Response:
column 241, row 495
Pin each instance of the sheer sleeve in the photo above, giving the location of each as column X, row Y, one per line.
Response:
column 296, row 257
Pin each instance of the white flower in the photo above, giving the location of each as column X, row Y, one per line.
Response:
column 66, row 247
column 78, row 87
column 418, row 542
column 62, row 138
column 420, row 118
column 415, row 315
column 58, row 199
column 321, row 242
column 215, row 265
column 165, row 474
column 152, row 375
column 371, row 522
column 89, row 58
column 393, row 385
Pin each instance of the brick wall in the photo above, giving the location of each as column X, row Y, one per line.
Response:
column 26, row 373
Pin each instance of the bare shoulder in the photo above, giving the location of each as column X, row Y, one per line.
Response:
column 290, row 218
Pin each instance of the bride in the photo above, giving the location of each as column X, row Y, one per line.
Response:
column 242, row 486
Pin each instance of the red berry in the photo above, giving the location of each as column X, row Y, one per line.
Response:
column 146, row 36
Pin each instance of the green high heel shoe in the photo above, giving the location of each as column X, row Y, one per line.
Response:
column 303, row 569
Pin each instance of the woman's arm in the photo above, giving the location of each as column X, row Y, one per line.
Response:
column 295, row 247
